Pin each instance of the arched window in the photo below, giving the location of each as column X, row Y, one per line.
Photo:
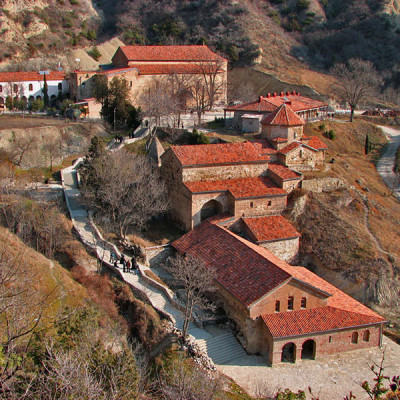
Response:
column 15, row 88
column 303, row 302
column 251, row 204
column 354, row 338
column 366, row 336
column 277, row 306
column 30, row 87
column 1, row 88
column 290, row 303
column 60, row 86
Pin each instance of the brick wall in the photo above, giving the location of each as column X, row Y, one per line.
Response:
column 328, row 343
column 224, row 172
column 295, row 289
column 258, row 207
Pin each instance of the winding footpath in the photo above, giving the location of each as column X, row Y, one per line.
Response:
column 219, row 344
column 386, row 163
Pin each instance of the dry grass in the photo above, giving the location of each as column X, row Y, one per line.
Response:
column 155, row 277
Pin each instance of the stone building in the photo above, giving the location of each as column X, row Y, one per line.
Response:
column 226, row 178
column 305, row 107
column 283, row 312
column 144, row 66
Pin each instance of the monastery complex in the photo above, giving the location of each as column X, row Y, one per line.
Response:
column 229, row 197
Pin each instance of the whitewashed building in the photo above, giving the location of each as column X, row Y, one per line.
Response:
column 28, row 86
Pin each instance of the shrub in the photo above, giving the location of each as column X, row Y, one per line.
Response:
column 330, row 134
column 322, row 127
column 95, row 53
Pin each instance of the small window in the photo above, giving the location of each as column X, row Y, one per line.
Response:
column 1, row 88
column 269, row 203
column 130, row 83
column 15, row 88
column 354, row 338
column 251, row 204
column 277, row 306
column 366, row 336
column 60, row 86
column 330, row 339
column 30, row 87
column 290, row 303
column 295, row 135
column 301, row 153
column 303, row 302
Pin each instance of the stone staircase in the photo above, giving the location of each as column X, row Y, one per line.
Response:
column 222, row 349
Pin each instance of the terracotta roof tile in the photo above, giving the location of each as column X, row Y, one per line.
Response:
column 271, row 228
column 268, row 104
column 283, row 116
column 221, row 153
column 263, row 146
column 30, row 76
column 316, row 143
column 239, row 187
column 283, row 172
column 167, row 69
column 315, row 320
column 244, row 273
column 289, row 147
column 169, row 53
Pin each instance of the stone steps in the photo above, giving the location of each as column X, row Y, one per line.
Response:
column 222, row 349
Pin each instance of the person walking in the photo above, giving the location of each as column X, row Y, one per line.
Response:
column 113, row 256
column 128, row 266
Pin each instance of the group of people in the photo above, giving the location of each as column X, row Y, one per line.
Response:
column 119, row 139
column 127, row 265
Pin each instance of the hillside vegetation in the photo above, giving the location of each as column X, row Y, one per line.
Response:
column 338, row 228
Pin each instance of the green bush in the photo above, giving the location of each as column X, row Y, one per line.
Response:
column 330, row 134
column 195, row 137
column 322, row 127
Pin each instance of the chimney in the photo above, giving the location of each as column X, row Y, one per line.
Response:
column 287, row 93
column 268, row 95
column 274, row 94
column 260, row 98
column 294, row 92
column 282, row 94
column 298, row 93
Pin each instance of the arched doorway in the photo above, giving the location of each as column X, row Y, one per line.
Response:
column 1, row 100
column 212, row 207
column 289, row 353
column 308, row 350
column 38, row 97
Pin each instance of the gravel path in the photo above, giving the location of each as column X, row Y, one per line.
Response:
column 386, row 163
column 330, row 379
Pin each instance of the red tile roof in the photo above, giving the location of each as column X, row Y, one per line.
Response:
column 30, row 76
column 312, row 320
column 170, row 53
column 268, row 104
column 289, row 147
column 263, row 146
column 271, row 228
column 239, row 187
column 316, row 143
column 116, row 71
column 250, row 272
column 283, row 172
column 283, row 116
column 221, row 153
column 243, row 272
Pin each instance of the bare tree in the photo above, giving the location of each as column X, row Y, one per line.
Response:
column 52, row 148
column 20, row 145
column 197, row 279
column 198, row 91
column 211, row 72
column 356, row 80
column 125, row 188
column 179, row 85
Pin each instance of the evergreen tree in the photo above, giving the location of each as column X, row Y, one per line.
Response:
column 367, row 146
column 45, row 91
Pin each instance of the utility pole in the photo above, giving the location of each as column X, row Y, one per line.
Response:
column 115, row 109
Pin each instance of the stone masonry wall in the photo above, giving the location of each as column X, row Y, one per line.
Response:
column 258, row 207
column 319, row 185
column 285, row 249
column 217, row 172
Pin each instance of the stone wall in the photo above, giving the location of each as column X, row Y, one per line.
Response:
column 260, row 206
column 216, row 172
column 319, row 185
column 158, row 254
column 286, row 249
